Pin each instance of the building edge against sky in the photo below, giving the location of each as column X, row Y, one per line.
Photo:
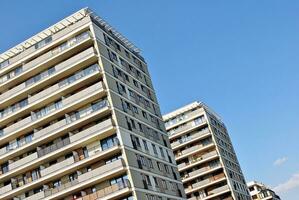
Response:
column 260, row 191
column 205, row 156
column 80, row 118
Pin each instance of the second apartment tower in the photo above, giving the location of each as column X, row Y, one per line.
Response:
column 79, row 118
column 207, row 163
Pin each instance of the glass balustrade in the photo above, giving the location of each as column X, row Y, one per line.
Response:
column 13, row 108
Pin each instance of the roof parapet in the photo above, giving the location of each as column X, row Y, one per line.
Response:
column 196, row 104
column 44, row 34
column 85, row 12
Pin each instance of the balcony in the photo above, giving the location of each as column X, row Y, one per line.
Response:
column 23, row 161
column 91, row 131
column 109, row 192
column 195, row 161
column 218, row 190
column 59, row 169
column 190, row 126
column 49, row 58
column 71, row 64
column 201, row 183
column 205, row 183
column 87, row 178
column 193, row 137
column 37, row 196
column 58, row 127
column 74, row 138
column 53, row 147
column 5, row 189
column 187, row 117
column 88, row 93
column 36, row 158
column 200, row 172
column 50, row 94
column 194, row 150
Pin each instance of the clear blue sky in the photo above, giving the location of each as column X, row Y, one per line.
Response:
column 239, row 57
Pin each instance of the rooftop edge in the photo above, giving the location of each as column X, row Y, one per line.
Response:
column 75, row 17
column 188, row 107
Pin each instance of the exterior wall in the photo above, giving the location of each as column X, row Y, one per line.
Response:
column 206, row 159
column 127, row 117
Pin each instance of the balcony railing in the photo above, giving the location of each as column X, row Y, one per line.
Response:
column 201, row 183
column 218, row 190
column 63, row 47
column 23, row 161
column 200, row 158
column 64, row 103
column 5, row 189
column 118, row 164
column 189, row 125
column 201, row 170
column 107, row 191
column 54, row 147
column 58, row 68
column 205, row 182
column 59, row 125
column 186, row 117
column 57, row 166
column 191, row 137
column 90, row 131
column 194, row 148
column 62, row 165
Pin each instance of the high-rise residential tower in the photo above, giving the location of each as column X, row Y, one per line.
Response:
column 79, row 118
column 204, row 154
column 260, row 191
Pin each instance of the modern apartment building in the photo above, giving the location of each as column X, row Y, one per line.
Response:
column 79, row 118
column 259, row 191
column 204, row 154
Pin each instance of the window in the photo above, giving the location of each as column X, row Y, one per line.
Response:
column 154, row 149
column 43, row 43
column 112, row 56
column 136, row 83
column 108, row 142
column 164, row 184
column 166, row 168
column 144, row 114
column 121, row 88
column 120, row 180
column 135, row 109
column 199, row 120
column 150, row 163
column 56, row 183
column 148, row 181
column 162, row 152
column 127, row 54
column 133, row 123
column 145, row 145
column 135, row 141
column 156, row 181
column 140, row 127
column 11, row 74
column 4, row 64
